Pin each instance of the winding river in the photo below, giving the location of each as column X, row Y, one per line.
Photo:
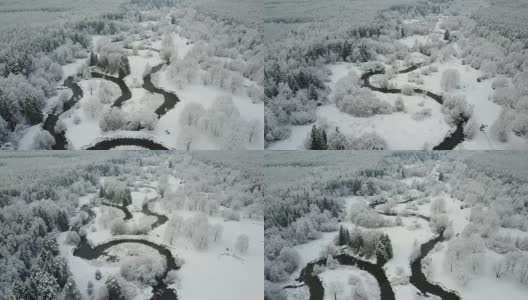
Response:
column 316, row 286
column 170, row 101
column 453, row 139
column 112, row 143
column 418, row 278
column 52, row 118
column 160, row 290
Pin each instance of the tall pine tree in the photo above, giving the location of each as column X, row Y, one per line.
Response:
column 383, row 249
column 343, row 238
column 124, row 67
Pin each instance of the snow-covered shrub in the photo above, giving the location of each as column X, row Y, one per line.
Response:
column 499, row 82
column 142, row 268
column 231, row 215
column 93, row 108
column 439, row 222
column 501, row 128
column 172, row 278
column 337, row 141
column 286, row 263
column 72, row 238
column 242, row 243
column 368, row 141
column 60, row 127
column 520, row 81
column 506, row 96
column 142, row 120
column 455, row 108
column 489, row 68
column 399, row 106
column 407, row 89
column 413, row 77
column 422, row 114
column 76, row 119
column 119, row 227
column 116, row 191
column 520, row 125
column 470, row 128
column 43, row 140
column 358, row 101
column 191, row 114
column 433, row 68
column 450, row 80
column 361, row 215
column 112, row 119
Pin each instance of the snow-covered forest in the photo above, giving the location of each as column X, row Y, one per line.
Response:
column 130, row 225
column 396, row 225
column 398, row 75
column 155, row 74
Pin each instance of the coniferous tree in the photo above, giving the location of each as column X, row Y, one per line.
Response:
column 315, row 143
column 343, row 237
column 124, row 67
column 446, row 35
column 441, row 176
column 383, row 249
column 402, row 32
column 115, row 291
column 356, row 239
column 93, row 59
column 323, row 139
column 71, row 291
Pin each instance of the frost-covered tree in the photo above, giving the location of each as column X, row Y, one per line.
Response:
column 217, row 231
column 114, row 288
column 70, row 290
column 43, row 140
column 343, row 237
column 242, row 243
column 167, row 46
column 112, row 119
column 124, row 67
column 317, row 139
column 450, row 80
column 191, row 114
column 470, row 128
column 502, row 126
column 144, row 269
column 337, row 140
column 399, row 106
